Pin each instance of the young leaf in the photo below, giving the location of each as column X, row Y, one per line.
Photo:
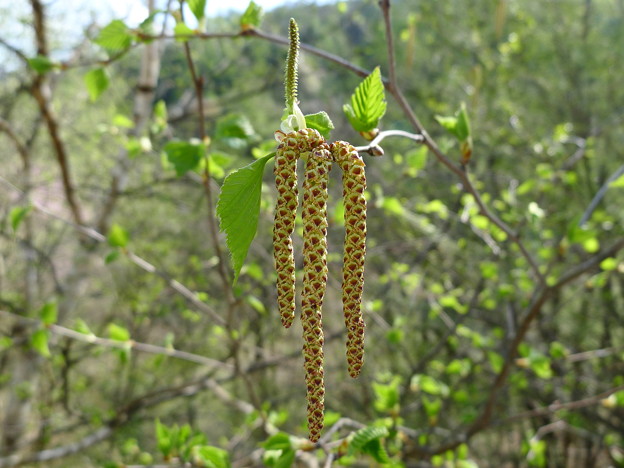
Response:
column 183, row 155
column 117, row 236
column 48, row 313
column 368, row 103
column 183, row 32
column 41, row 64
column 39, row 342
column 118, row 333
column 197, row 7
column 252, row 17
column 238, row 209
column 320, row 122
column 97, row 82
column 114, row 37
column 459, row 127
column 17, row 215
column 279, row 441
column 212, row 457
column 366, row 435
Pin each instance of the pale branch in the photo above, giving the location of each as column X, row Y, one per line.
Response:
column 128, row 345
column 185, row 292
column 57, row 452
column 374, row 148
column 557, row 406
column 458, row 170
column 600, row 195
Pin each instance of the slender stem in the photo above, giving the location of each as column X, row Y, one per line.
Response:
column 198, row 84
column 134, row 345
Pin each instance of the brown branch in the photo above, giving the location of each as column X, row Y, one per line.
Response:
column 458, row 170
column 540, row 298
column 40, row 91
column 198, row 83
column 17, row 142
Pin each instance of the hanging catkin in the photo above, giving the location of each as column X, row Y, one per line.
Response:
column 314, row 281
column 292, row 146
column 353, row 186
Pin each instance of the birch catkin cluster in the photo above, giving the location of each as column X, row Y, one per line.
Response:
column 308, row 145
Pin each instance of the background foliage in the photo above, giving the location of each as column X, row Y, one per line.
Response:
column 123, row 341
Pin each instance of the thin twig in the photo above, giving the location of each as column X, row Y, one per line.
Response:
column 373, row 147
column 137, row 260
column 554, row 407
column 131, row 344
column 600, row 195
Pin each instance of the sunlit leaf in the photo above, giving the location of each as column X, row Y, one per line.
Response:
column 39, row 342
column 115, row 36
column 252, row 16
column 17, row 215
column 117, row 236
column 368, row 103
column 97, row 82
column 197, row 7
column 321, row 123
column 48, row 313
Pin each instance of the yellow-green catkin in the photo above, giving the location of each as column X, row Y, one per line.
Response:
column 291, row 147
column 353, row 185
column 314, row 216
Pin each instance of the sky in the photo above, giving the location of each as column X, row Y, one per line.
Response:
column 134, row 11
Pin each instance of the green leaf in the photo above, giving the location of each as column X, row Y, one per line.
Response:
column 197, row 7
column 41, row 64
column 609, row 264
column 252, row 17
column 111, row 256
column 17, row 215
column 183, row 32
column 238, row 209
column 212, row 457
column 279, row 441
column 184, row 156
column 120, row 120
column 617, row 183
column 368, row 103
column 97, row 82
column 463, row 124
column 320, row 122
column 235, row 126
column 117, row 236
column 163, row 439
column 114, row 37
column 366, row 440
column 82, row 327
column 118, row 333
column 48, row 313
column 39, row 342
column 459, row 127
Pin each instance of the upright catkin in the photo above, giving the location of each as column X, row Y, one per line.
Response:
column 353, row 186
column 314, row 216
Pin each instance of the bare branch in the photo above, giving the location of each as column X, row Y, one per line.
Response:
column 138, row 261
column 133, row 345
